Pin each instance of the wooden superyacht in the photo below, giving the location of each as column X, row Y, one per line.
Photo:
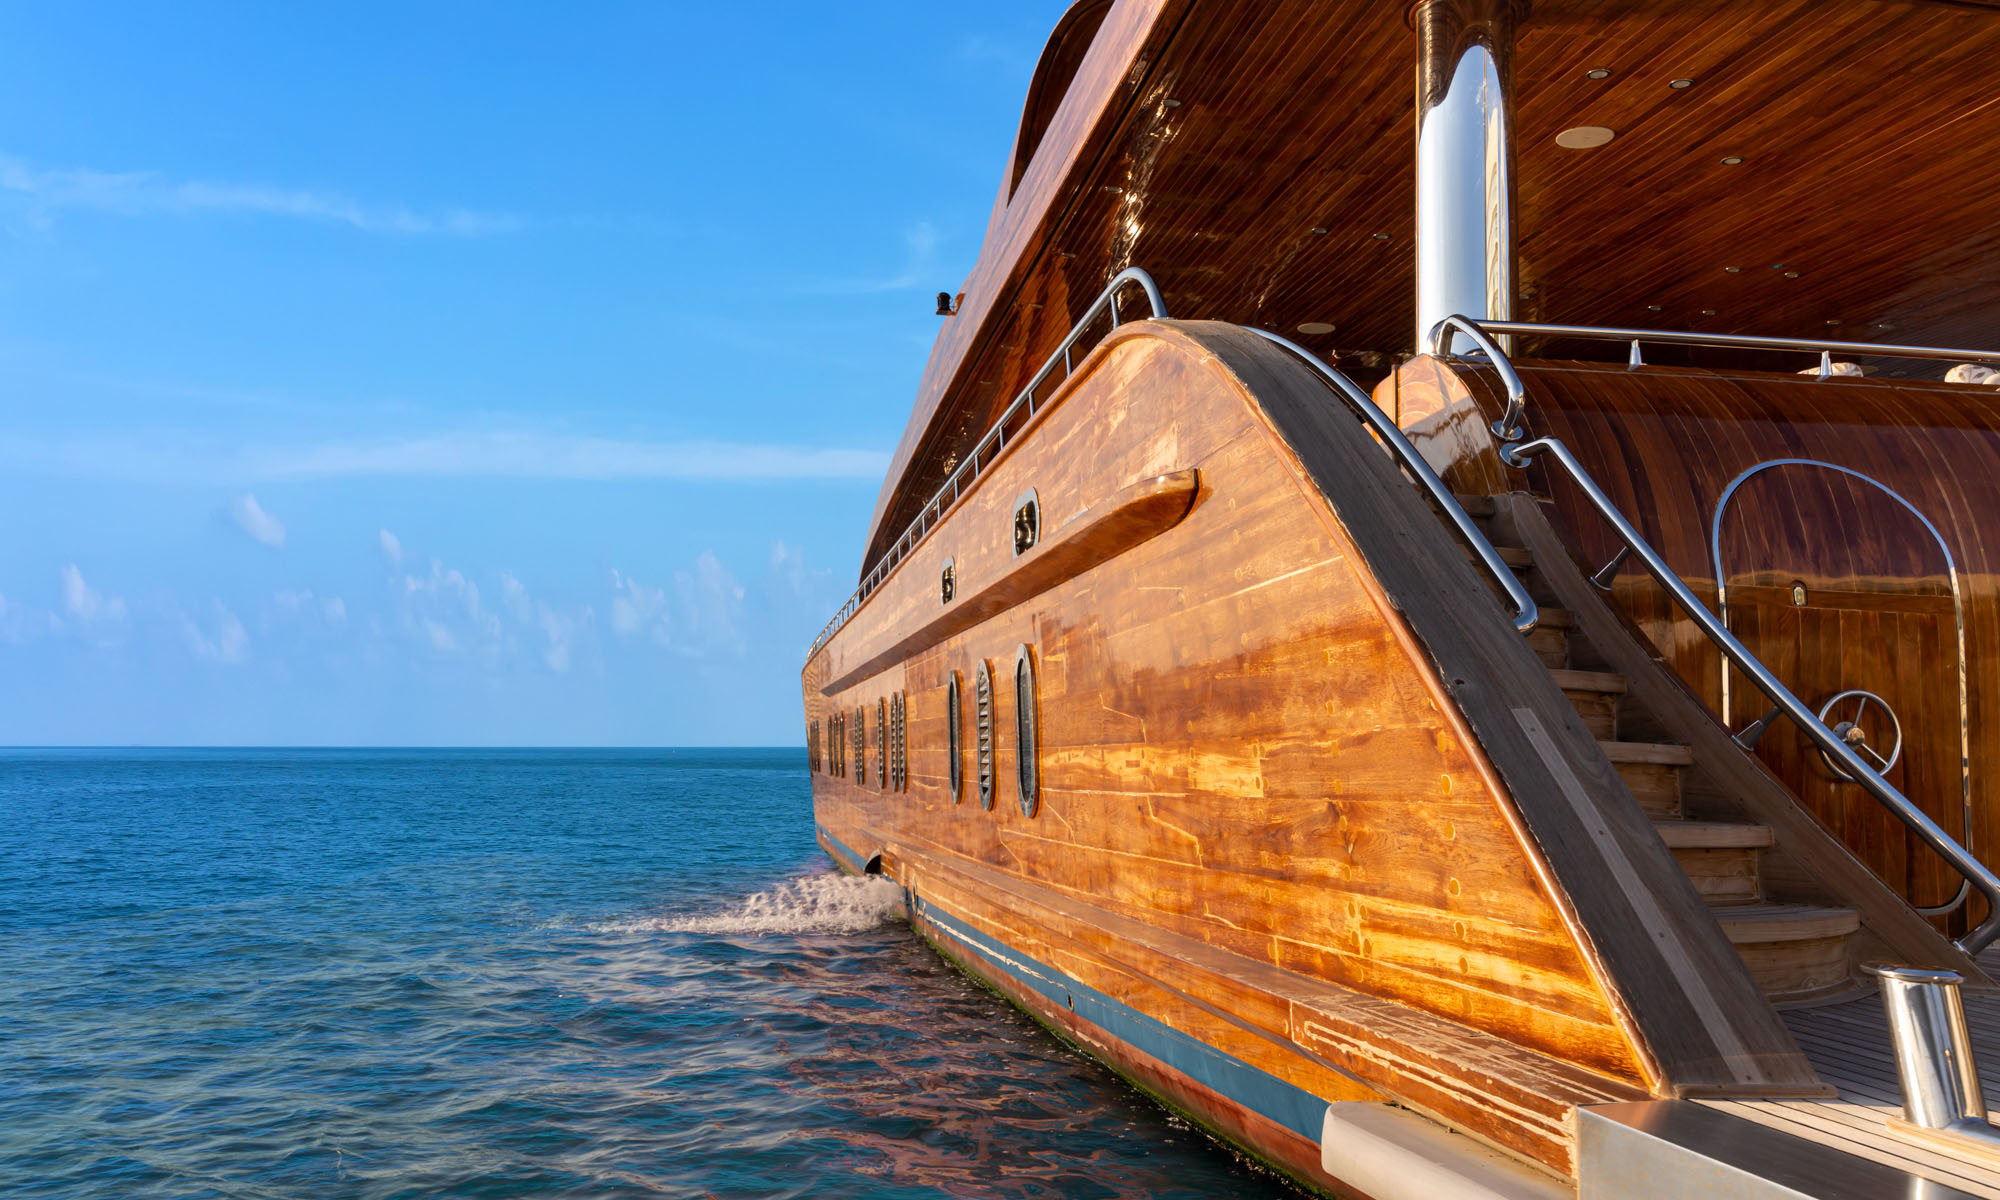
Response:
column 1449, row 632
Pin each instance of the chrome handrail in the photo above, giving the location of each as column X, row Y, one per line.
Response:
column 993, row 440
column 1526, row 614
column 1509, row 427
column 1829, row 743
column 1481, row 334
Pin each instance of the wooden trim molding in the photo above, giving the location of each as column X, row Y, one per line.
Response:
column 1129, row 517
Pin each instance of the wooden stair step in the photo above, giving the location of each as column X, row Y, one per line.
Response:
column 1793, row 951
column 1658, row 754
column 1760, row 924
column 1550, row 637
column 1713, row 835
column 1723, row 861
column 1477, row 506
column 1653, row 773
column 1516, row 557
column 1606, row 682
column 1594, row 695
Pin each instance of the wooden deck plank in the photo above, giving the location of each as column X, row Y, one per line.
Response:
column 1849, row 1046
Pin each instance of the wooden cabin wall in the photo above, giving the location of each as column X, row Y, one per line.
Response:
column 1665, row 443
column 1236, row 743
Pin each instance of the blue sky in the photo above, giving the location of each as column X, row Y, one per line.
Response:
column 464, row 374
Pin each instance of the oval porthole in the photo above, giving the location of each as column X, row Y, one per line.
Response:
column 954, row 757
column 1026, row 769
column 899, row 755
column 947, row 582
column 859, row 740
column 982, row 700
column 1027, row 522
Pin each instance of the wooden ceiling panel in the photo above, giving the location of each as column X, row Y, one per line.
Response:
column 1865, row 206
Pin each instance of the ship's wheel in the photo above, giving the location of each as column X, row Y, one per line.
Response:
column 1865, row 722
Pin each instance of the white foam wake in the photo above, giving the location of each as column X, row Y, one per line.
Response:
column 816, row 904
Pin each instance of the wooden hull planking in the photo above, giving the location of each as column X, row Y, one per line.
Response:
column 1264, row 821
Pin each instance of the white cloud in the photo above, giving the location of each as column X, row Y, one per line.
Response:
column 85, row 603
column 251, row 518
column 392, row 546
column 440, row 635
column 173, row 456
column 230, row 643
column 920, row 243
column 44, row 191
column 562, row 456
column 702, row 615
column 294, row 602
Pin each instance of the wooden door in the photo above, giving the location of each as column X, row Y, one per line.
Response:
column 1841, row 586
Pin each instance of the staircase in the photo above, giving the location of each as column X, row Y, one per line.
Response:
column 1795, row 952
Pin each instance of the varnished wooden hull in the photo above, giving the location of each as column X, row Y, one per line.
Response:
column 1312, row 824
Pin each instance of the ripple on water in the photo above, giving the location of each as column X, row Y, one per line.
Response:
column 392, row 1008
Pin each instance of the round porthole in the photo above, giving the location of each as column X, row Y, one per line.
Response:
column 1027, row 522
column 982, row 700
column 954, row 755
column 1026, row 772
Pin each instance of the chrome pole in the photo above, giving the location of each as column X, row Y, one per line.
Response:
column 1934, row 1059
column 1465, row 161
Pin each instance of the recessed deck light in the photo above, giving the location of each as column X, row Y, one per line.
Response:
column 1315, row 327
column 1654, row 307
column 1791, row 274
column 1708, row 312
column 1584, row 137
column 1734, row 270
column 1380, row 237
column 1680, row 84
column 1598, row 73
column 1319, row 231
column 1835, row 321
column 1734, row 160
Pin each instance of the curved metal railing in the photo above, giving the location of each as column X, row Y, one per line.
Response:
column 995, row 439
column 1510, row 427
column 1829, row 743
column 1526, row 614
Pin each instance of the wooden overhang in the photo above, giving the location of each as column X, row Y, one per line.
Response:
column 1257, row 157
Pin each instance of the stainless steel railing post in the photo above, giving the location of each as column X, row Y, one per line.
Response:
column 1934, row 1059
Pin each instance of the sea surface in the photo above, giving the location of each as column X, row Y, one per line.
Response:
column 359, row 973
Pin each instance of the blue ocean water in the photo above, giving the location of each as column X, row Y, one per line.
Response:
column 515, row 973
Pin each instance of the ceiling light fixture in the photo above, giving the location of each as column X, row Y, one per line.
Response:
column 1734, row 160
column 1598, row 73
column 1734, row 270
column 1315, row 328
column 1584, row 137
column 1680, row 84
column 1380, row 237
column 1171, row 103
column 1319, row 231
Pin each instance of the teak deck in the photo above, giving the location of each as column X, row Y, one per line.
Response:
column 1849, row 1045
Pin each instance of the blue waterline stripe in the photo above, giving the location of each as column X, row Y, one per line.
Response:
column 1275, row 1099
column 840, row 850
